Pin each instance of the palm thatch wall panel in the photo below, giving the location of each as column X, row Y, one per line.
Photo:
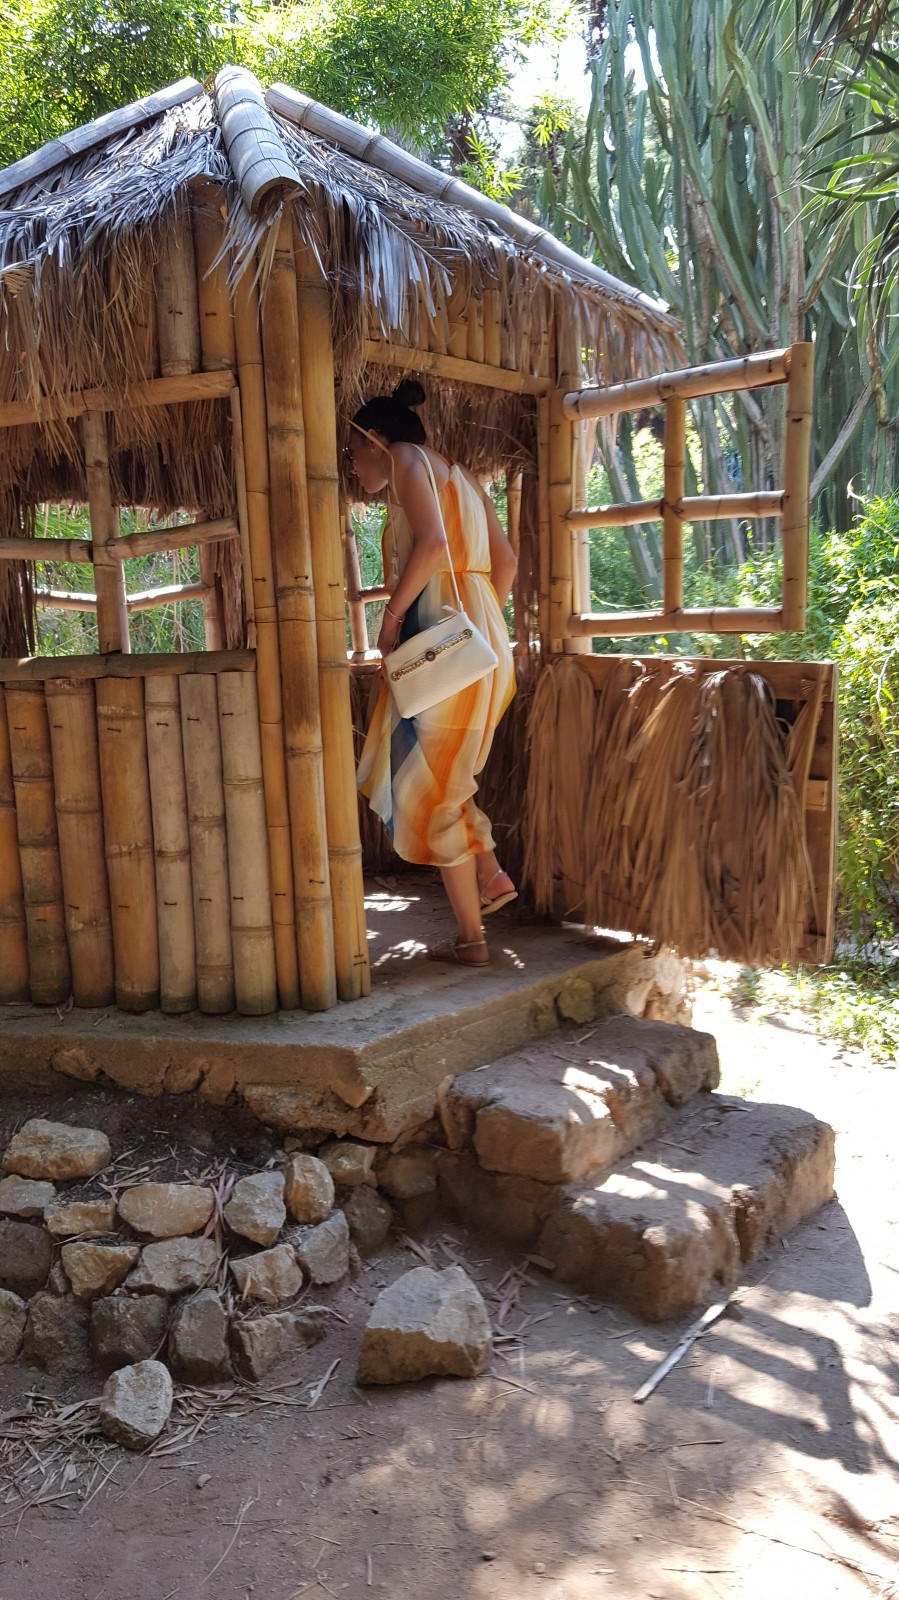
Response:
column 13, row 936
column 49, row 970
column 669, row 799
column 72, row 716
column 128, row 830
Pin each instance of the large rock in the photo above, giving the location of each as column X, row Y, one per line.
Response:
column 54, row 1150
column 349, row 1163
column 94, row 1269
column 198, row 1339
column 308, row 1188
column 259, row 1344
column 174, row 1265
column 166, row 1210
column 369, row 1217
column 324, row 1250
column 427, row 1324
column 256, row 1208
column 136, row 1404
column 84, row 1219
column 25, row 1255
column 25, row 1197
column 272, row 1276
column 56, row 1335
column 13, row 1312
column 127, row 1328
column 408, row 1173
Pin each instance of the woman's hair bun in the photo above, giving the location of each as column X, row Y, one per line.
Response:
column 409, row 392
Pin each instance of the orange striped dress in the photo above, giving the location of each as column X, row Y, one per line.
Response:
column 419, row 773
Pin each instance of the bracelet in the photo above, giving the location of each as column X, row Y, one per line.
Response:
column 393, row 614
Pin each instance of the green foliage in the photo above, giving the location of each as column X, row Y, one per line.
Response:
column 854, row 1000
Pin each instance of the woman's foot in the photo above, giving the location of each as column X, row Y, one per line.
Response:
column 464, row 952
column 496, row 891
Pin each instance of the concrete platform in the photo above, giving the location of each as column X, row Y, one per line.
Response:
column 370, row 1069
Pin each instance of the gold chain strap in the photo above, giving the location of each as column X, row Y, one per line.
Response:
column 431, row 655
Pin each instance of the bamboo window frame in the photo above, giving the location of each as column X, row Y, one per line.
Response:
column 791, row 366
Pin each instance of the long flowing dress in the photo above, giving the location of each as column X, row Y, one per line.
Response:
column 419, row 773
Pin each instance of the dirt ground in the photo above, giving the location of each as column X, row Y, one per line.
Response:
column 764, row 1465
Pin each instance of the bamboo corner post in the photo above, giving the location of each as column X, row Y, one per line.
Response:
column 544, row 521
column 109, row 574
column 580, row 553
column 291, row 547
column 208, row 843
column 254, row 433
column 323, row 490
column 561, row 537
column 171, row 844
column 72, row 718
column 355, row 604
column 50, row 977
column 675, row 448
column 794, row 529
column 128, row 831
column 13, row 935
column 255, row 976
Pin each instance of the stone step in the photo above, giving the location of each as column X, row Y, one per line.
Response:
column 558, row 1113
column 671, row 1225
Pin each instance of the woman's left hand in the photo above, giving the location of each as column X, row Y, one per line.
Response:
column 390, row 630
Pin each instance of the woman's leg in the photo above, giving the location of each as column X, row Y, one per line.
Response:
column 464, row 895
column 492, row 878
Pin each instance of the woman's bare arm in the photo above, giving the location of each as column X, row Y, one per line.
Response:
column 411, row 486
column 503, row 560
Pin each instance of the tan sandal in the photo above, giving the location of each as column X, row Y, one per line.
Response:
column 491, row 903
column 451, row 950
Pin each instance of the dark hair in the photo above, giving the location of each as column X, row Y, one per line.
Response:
column 391, row 414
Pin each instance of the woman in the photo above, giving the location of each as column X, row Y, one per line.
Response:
column 419, row 773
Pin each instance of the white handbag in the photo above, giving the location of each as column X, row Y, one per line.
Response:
column 441, row 660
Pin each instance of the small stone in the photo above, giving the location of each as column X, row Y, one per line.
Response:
column 256, row 1208
column 127, row 1328
column 88, row 1219
column 324, row 1251
column 13, row 1312
column 309, row 1188
column 259, row 1344
column 94, row 1269
column 56, row 1334
column 166, row 1210
column 198, row 1340
column 272, row 1276
column 488, row 1555
column 408, row 1173
column 54, row 1150
column 576, row 1001
column 427, row 1324
column 174, row 1265
column 369, row 1217
column 25, row 1197
column 348, row 1162
column 204, row 1478
column 57, row 1282
column 539, row 1568
column 136, row 1404
column 25, row 1255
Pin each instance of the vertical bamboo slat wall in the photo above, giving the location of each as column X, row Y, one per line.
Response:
column 32, row 771
column 208, row 844
column 268, row 647
column 255, row 978
column 296, row 615
column 128, row 829
column 13, row 937
column 323, row 490
column 72, row 717
column 171, row 839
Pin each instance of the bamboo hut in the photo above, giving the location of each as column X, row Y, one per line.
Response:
column 195, row 294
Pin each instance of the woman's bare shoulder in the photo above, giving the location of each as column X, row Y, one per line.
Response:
column 408, row 459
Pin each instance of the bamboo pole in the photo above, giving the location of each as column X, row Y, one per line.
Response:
column 128, row 828
column 80, row 550
column 452, row 365
column 154, row 392
column 157, row 540
column 719, row 377
column 243, row 517
column 581, row 537
column 714, row 619
column 672, row 524
column 32, row 772
column 213, row 608
column 291, row 542
column 208, row 843
column 457, row 343
column 32, row 668
column 492, row 305
column 476, row 330
column 255, row 975
column 171, row 847
column 13, row 933
column 692, row 508
column 72, row 717
column 543, row 520
column 513, row 527
column 177, row 307
column 355, row 603
column 109, row 574
column 560, row 461
column 254, row 427
column 323, row 488
column 141, row 600
column 215, row 306
column 64, row 600
column 794, row 530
